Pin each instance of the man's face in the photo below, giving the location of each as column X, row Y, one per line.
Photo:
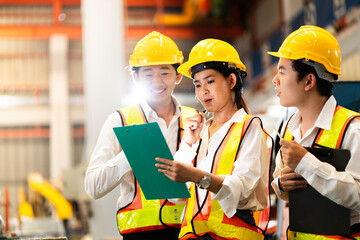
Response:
column 289, row 89
column 158, row 81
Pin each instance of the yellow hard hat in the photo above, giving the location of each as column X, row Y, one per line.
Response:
column 155, row 49
column 312, row 43
column 211, row 50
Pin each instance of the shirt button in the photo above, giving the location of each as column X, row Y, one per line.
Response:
column 175, row 218
column 175, row 210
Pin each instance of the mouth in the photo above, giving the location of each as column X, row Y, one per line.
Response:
column 278, row 92
column 207, row 101
column 158, row 91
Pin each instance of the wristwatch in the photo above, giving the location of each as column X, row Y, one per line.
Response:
column 205, row 181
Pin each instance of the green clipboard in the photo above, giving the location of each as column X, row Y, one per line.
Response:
column 141, row 144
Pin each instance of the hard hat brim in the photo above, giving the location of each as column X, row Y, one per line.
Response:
column 275, row 54
column 185, row 68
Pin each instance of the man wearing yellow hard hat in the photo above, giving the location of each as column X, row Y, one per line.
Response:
column 154, row 62
column 309, row 60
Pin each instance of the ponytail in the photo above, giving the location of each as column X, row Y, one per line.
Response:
column 239, row 101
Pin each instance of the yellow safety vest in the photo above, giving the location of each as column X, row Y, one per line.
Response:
column 210, row 218
column 141, row 214
column 333, row 139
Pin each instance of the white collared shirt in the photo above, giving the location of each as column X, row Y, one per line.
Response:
column 108, row 166
column 341, row 187
column 245, row 187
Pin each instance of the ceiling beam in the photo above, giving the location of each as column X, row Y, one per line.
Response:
column 39, row 2
column 153, row 3
column 186, row 32
column 39, row 31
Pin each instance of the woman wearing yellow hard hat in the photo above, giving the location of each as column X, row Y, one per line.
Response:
column 309, row 60
column 154, row 62
column 229, row 173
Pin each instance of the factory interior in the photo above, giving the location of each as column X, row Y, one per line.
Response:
column 64, row 67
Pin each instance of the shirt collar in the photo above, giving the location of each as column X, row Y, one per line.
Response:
column 150, row 113
column 237, row 117
column 324, row 119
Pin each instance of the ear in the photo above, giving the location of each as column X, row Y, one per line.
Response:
column 310, row 82
column 232, row 80
column 135, row 76
column 178, row 78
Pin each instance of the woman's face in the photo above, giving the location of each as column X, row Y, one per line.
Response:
column 213, row 90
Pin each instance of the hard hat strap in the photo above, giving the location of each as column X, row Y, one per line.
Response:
column 214, row 65
column 320, row 70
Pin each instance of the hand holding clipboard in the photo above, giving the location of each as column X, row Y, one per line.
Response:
column 141, row 144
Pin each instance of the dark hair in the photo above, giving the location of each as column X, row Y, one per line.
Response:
column 324, row 87
column 136, row 69
column 225, row 70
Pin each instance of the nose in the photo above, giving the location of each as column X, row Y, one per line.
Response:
column 275, row 80
column 157, row 78
column 201, row 91
column 204, row 90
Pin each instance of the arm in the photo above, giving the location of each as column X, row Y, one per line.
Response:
column 341, row 187
column 108, row 164
column 182, row 169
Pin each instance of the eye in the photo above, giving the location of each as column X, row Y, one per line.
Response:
column 211, row 81
column 164, row 74
column 197, row 85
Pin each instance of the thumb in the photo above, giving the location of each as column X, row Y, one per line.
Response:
column 284, row 143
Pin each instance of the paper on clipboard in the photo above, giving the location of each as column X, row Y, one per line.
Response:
column 141, row 144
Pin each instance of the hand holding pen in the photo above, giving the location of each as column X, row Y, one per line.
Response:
column 291, row 152
column 192, row 128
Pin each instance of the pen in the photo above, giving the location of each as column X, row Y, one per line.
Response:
column 281, row 138
column 277, row 133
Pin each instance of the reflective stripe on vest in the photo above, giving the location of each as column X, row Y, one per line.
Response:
column 141, row 214
column 306, row 236
column 333, row 139
column 211, row 218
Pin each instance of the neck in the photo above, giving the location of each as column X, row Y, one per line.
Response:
column 221, row 117
column 310, row 111
column 165, row 111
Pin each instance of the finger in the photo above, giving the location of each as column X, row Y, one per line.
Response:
column 291, row 188
column 286, row 184
column 193, row 124
column 161, row 166
column 196, row 118
column 163, row 160
column 287, row 143
column 282, row 141
column 286, row 170
column 292, row 176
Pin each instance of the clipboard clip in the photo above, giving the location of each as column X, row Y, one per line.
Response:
column 325, row 151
